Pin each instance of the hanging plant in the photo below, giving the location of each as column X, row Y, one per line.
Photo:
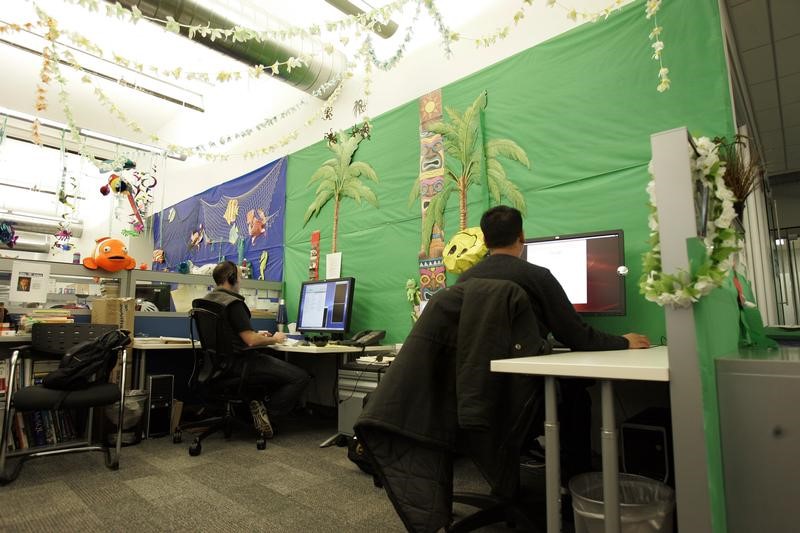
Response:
column 743, row 171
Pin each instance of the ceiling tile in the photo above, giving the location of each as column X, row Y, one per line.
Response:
column 764, row 95
column 750, row 22
column 787, row 55
column 769, row 119
column 793, row 135
column 776, row 165
column 791, row 115
column 790, row 88
column 785, row 16
column 758, row 64
column 793, row 156
column 771, row 139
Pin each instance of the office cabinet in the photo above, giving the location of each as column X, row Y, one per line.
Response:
column 760, row 434
column 355, row 382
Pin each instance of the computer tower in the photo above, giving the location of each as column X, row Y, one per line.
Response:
column 159, row 411
column 647, row 445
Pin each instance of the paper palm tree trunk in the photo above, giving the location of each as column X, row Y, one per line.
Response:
column 335, row 223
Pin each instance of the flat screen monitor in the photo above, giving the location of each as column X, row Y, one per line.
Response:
column 587, row 266
column 325, row 306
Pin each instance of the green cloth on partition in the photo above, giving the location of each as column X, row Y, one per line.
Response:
column 583, row 106
column 752, row 332
column 716, row 318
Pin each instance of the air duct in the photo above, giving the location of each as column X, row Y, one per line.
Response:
column 30, row 243
column 34, row 224
column 321, row 68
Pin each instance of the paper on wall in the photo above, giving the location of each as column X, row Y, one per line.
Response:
column 333, row 265
column 29, row 282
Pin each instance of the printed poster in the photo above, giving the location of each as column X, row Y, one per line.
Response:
column 29, row 282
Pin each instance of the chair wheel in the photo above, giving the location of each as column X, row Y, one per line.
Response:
column 177, row 436
column 195, row 448
column 261, row 443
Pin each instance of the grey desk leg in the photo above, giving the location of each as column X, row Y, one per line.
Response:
column 610, row 460
column 142, row 366
column 552, row 456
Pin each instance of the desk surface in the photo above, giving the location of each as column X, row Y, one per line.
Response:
column 140, row 344
column 649, row 365
column 15, row 338
column 329, row 348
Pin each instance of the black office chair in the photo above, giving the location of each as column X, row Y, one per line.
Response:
column 51, row 342
column 213, row 379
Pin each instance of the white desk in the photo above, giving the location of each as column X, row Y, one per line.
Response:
column 644, row 365
column 331, row 349
column 15, row 338
column 139, row 349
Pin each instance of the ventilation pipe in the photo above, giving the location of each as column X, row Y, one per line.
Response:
column 32, row 224
column 30, row 243
column 321, row 68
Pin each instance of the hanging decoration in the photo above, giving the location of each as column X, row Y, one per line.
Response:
column 360, row 25
column 721, row 241
column 465, row 249
column 68, row 200
column 158, row 256
column 8, row 235
column 121, row 186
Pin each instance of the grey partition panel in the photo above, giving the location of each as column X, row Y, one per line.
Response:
column 760, row 430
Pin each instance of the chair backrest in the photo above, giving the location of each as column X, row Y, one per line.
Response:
column 210, row 322
column 57, row 339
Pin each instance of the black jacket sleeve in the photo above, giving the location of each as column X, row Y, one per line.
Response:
column 567, row 325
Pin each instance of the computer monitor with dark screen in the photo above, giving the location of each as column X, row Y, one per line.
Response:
column 587, row 266
column 325, row 306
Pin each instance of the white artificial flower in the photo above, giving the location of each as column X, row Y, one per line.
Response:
column 652, row 222
column 704, row 285
column 726, row 218
column 651, row 191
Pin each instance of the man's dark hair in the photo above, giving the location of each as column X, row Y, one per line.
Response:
column 501, row 226
column 225, row 271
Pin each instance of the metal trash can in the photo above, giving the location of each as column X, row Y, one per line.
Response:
column 132, row 418
column 646, row 505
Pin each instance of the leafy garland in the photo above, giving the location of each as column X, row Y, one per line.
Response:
column 362, row 23
column 721, row 240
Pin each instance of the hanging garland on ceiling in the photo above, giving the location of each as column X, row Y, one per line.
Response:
column 364, row 22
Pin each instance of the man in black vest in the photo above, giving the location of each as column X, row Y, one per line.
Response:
column 285, row 380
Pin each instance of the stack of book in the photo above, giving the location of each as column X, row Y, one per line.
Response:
column 46, row 316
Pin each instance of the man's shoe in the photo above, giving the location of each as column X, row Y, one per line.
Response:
column 260, row 418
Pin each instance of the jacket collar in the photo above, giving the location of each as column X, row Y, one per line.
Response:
column 226, row 291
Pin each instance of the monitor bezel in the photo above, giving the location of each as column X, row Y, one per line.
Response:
column 621, row 255
column 348, row 307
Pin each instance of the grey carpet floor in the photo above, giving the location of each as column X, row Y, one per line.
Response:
column 292, row 486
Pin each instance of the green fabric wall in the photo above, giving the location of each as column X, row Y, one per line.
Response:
column 583, row 106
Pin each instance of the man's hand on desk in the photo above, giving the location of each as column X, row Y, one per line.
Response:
column 277, row 337
column 637, row 341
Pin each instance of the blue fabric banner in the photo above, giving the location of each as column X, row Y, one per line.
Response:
column 240, row 219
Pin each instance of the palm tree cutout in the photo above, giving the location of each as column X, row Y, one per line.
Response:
column 341, row 177
column 465, row 148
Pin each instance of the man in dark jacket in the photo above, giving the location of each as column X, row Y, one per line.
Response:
column 285, row 380
column 504, row 237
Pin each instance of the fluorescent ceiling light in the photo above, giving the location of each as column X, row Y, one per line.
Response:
column 30, row 118
column 124, row 142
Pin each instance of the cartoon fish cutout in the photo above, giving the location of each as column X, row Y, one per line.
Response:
column 110, row 255
column 232, row 211
column 233, row 235
column 262, row 263
column 171, row 214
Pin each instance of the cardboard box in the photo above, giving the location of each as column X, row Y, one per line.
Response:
column 117, row 311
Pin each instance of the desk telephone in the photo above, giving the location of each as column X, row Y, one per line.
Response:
column 367, row 337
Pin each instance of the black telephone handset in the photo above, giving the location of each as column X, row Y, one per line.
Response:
column 367, row 337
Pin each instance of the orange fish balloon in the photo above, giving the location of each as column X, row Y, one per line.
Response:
column 110, row 255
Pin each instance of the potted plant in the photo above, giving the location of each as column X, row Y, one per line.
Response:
column 743, row 170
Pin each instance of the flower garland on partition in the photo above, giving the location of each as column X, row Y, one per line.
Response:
column 682, row 289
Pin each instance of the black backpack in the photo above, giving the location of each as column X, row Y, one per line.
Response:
column 87, row 360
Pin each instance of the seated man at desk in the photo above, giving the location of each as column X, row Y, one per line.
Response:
column 505, row 239
column 285, row 380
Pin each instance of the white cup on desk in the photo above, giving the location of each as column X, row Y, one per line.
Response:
column 292, row 327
